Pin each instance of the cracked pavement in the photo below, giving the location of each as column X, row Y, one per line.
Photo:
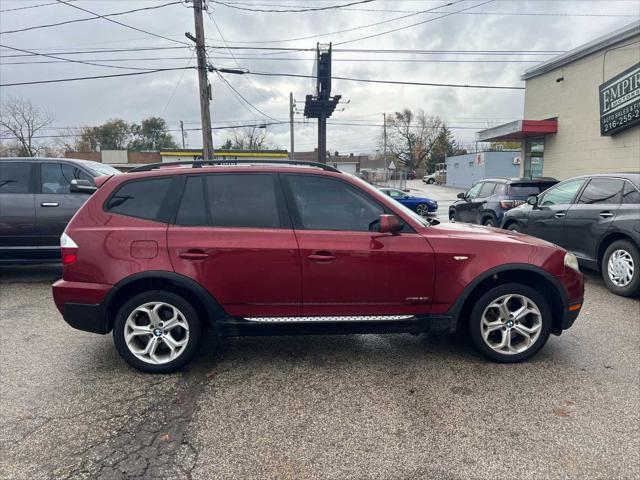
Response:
column 364, row 406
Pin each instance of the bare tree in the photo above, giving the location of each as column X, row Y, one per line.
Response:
column 21, row 120
column 249, row 138
column 411, row 136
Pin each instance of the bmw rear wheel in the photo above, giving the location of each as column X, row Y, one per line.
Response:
column 510, row 323
column 156, row 332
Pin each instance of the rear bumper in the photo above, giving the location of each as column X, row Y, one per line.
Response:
column 81, row 305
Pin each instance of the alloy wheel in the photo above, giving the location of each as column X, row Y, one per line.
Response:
column 422, row 209
column 511, row 324
column 156, row 332
column 620, row 268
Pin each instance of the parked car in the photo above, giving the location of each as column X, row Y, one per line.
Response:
column 411, row 175
column 157, row 255
column 37, row 201
column 421, row 205
column 487, row 201
column 597, row 217
column 429, row 179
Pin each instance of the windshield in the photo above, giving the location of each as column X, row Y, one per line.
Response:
column 101, row 169
column 526, row 190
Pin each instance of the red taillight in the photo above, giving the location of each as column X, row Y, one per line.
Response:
column 68, row 249
column 507, row 204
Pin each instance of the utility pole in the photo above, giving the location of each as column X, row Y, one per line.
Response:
column 291, row 125
column 203, row 82
column 182, row 132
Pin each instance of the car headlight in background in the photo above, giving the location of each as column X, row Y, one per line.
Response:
column 571, row 261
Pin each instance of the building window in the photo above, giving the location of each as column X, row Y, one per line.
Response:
column 534, row 157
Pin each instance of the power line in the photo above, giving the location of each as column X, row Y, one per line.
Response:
column 413, row 24
column 93, row 77
column 390, row 10
column 392, row 82
column 70, row 59
column 31, row 6
column 66, row 2
column 82, row 52
column 232, row 54
column 350, row 29
column 91, row 18
column 178, row 83
column 283, row 59
column 226, row 82
column 291, row 10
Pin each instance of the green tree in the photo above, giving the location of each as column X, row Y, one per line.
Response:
column 113, row 135
column 151, row 134
column 444, row 146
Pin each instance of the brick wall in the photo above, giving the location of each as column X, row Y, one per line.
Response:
column 94, row 156
column 144, row 157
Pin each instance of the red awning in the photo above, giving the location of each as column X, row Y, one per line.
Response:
column 518, row 130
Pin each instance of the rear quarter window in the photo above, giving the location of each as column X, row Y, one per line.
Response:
column 140, row 198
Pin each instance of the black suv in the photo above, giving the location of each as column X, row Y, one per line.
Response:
column 596, row 217
column 38, row 197
column 487, row 201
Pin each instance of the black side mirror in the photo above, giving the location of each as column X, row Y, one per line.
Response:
column 82, row 186
column 462, row 195
column 533, row 201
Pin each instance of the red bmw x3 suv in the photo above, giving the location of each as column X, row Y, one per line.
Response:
column 158, row 255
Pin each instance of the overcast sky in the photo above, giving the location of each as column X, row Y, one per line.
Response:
column 558, row 25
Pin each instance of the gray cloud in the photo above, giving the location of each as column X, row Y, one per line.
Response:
column 93, row 102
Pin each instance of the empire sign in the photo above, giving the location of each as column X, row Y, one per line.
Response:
column 620, row 102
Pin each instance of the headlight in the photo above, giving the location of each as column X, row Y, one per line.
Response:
column 571, row 261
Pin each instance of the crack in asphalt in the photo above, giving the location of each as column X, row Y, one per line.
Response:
column 151, row 445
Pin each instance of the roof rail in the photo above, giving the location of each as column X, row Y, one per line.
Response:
column 205, row 163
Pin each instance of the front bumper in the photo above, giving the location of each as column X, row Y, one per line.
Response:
column 573, row 284
column 82, row 305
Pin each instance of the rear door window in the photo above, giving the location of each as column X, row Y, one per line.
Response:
column 140, row 198
column 602, row 191
column 244, row 200
column 15, row 177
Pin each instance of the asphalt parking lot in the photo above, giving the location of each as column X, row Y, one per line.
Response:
column 364, row 406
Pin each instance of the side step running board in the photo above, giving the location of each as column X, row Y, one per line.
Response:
column 350, row 318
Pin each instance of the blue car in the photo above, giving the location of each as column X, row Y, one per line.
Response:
column 420, row 205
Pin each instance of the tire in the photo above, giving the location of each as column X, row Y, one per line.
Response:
column 489, row 222
column 514, row 227
column 184, row 335
column 431, row 181
column 538, row 323
column 452, row 215
column 422, row 209
column 620, row 268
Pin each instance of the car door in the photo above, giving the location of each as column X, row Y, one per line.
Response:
column 17, row 206
column 546, row 220
column 586, row 222
column 55, row 204
column 232, row 234
column 348, row 267
column 465, row 206
column 477, row 204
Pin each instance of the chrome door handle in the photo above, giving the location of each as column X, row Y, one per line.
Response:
column 606, row 214
column 49, row 204
column 559, row 214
